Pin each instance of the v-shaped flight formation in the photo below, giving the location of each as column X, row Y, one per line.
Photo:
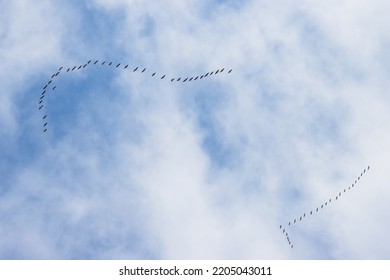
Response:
column 115, row 65
column 310, row 213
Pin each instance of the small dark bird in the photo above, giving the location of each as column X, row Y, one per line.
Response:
column 44, row 117
column 206, row 74
column 49, row 82
column 322, row 206
column 54, row 87
column 74, row 68
column 60, row 68
column 135, row 69
column 217, row 72
column 162, row 77
column 79, row 66
column 96, row 62
column 45, row 87
column 280, row 226
column 43, row 92
column 304, row 215
column 52, row 76
column 292, row 246
column 118, row 65
column 221, row 70
column 355, row 181
column 178, row 79
column 40, row 107
column 45, row 125
column 143, row 70
column 68, row 70
column 317, row 209
column 40, row 102
column 196, row 78
column 230, row 70
column 349, row 188
column 185, row 80
column 337, row 197
column 289, row 223
column 57, row 73
column 45, row 130
column 190, row 79
column 212, row 73
column 339, row 193
column 85, row 65
column 364, row 171
column 89, row 62
column 110, row 64
column 300, row 218
column 330, row 200
column 172, row 79
column 284, row 230
column 126, row 66
column 326, row 203
column 359, row 178
column 344, row 190
column 311, row 212
column 295, row 220
column 368, row 167
column 154, row 74
column 103, row 62
column 201, row 77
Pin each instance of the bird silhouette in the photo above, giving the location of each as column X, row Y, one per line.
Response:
column 118, row 65
column 135, row 69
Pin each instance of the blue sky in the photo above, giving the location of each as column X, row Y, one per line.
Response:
column 135, row 167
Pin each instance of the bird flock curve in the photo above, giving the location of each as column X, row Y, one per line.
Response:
column 50, row 84
column 310, row 213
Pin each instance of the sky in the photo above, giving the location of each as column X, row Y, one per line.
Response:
column 133, row 166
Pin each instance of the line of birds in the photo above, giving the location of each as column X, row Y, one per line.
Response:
column 316, row 209
column 70, row 69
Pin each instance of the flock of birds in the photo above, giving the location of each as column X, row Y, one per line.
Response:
column 49, row 85
column 187, row 79
column 316, row 209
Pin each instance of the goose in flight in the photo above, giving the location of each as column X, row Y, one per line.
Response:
column 110, row 63
column 143, row 70
column 118, row 65
column 135, row 69
column 230, row 70
column 44, row 117
column 172, row 79
column 74, row 68
column 126, row 66
column 162, row 77
column 96, row 62
column 153, row 74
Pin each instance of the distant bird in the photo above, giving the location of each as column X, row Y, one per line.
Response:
column 280, row 226
column 289, row 223
column 295, row 220
column 364, row 170
column 230, row 70
column 85, row 65
column 135, row 69
column 311, row 212
column 330, row 200
column 103, row 62
column 45, row 125
column 292, row 246
column 344, row 190
column 304, row 215
column 162, row 77
column 74, row 68
column 57, row 73
column 96, row 62
column 154, row 74
column 337, row 197
column 68, row 70
column 317, row 209
column 172, row 79
column 217, row 72
column 339, row 193
column 40, row 101
column 368, row 167
column 359, row 178
column 49, row 82
column 326, row 203
column 52, row 76
column 118, row 65
column 196, row 78
column 89, row 61
column 79, row 66
column 126, row 66
column 221, row 70
column 44, row 117
column 322, row 206
column 190, row 79
column 349, row 188
column 45, row 87
column 43, row 92
column 212, row 73
column 44, row 130
column 201, row 77
column 60, row 68
column 206, row 74
column 178, row 79
column 143, row 70
column 300, row 218
column 284, row 230
column 54, row 87
column 355, row 181
column 110, row 64
column 40, row 107
column 185, row 80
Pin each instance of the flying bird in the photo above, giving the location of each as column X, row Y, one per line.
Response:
column 172, row 79
column 212, row 73
column 190, row 79
column 103, row 62
column 143, row 70
column 217, row 72
column 196, row 78
column 45, row 124
column 74, row 68
column 110, row 64
column 135, row 69
column 96, row 62
column 68, row 70
column 185, row 80
column 45, row 87
column 54, row 87
column 40, row 107
column 49, row 82
column 206, row 74
column 44, row 117
column 178, row 79
column 40, row 101
column 79, row 67
column 126, row 66
column 162, row 77
column 118, row 65
column 45, row 130
column 221, row 70
column 154, row 74
column 201, row 77
column 85, row 65
column 230, row 70
column 89, row 61
column 60, row 68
